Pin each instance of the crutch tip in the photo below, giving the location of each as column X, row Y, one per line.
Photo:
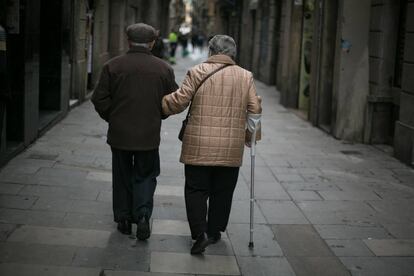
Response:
column 251, row 245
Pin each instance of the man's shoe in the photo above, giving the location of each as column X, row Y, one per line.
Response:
column 200, row 244
column 143, row 229
column 214, row 238
column 125, row 227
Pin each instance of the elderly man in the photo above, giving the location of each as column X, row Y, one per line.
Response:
column 222, row 94
column 128, row 96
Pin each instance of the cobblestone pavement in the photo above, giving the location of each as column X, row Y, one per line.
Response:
column 323, row 206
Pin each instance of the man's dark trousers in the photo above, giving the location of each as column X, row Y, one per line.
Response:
column 216, row 184
column 134, row 180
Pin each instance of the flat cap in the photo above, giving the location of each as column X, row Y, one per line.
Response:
column 141, row 33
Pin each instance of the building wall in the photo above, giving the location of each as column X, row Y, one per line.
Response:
column 351, row 81
column 53, row 69
column 404, row 132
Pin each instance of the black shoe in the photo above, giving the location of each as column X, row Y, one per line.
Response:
column 125, row 227
column 214, row 238
column 200, row 245
column 143, row 229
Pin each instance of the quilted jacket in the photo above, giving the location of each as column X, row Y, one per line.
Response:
column 215, row 133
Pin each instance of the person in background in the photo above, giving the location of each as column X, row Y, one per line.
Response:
column 214, row 139
column 173, row 39
column 159, row 49
column 128, row 96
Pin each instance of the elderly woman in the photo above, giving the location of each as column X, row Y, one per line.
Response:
column 222, row 94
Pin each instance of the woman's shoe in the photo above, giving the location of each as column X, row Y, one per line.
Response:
column 143, row 229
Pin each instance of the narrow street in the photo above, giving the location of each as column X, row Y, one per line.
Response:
column 323, row 206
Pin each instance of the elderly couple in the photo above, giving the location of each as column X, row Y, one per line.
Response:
column 136, row 91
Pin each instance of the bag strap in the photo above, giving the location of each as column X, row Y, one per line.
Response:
column 201, row 83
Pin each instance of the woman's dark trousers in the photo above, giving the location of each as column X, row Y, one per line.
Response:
column 215, row 184
column 133, row 181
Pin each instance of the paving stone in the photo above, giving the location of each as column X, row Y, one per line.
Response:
column 171, row 180
column 17, row 202
column 401, row 231
column 105, row 196
column 20, row 169
column 17, row 269
column 391, row 247
column 63, row 173
column 60, row 192
column 351, row 232
column 339, row 212
column 170, row 227
column 169, row 201
column 281, row 212
column 88, row 221
column 100, row 176
column 186, row 263
column 242, row 191
column 60, row 236
column 167, row 243
column 92, row 207
column 304, row 195
column 300, row 240
column 11, row 189
column 42, row 218
column 395, row 211
column 138, row 273
column 263, row 238
column 349, row 248
column 269, row 190
column 222, row 247
column 260, row 174
column 53, row 204
column 5, row 230
column 166, row 190
column 17, row 252
column 240, row 212
column 374, row 266
column 118, row 257
column 265, row 266
column 348, row 195
column 286, row 178
column 321, row 266
column 306, row 186
column 169, row 212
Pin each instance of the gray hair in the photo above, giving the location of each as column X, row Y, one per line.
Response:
column 146, row 45
column 224, row 45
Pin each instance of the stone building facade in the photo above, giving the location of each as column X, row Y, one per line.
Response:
column 344, row 65
column 55, row 52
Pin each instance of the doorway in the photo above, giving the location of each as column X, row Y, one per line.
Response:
column 50, row 62
column 12, row 132
column 327, row 32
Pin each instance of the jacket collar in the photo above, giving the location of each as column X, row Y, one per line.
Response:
column 220, row 59
column 139, row 49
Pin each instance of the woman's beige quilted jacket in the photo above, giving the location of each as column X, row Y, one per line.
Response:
column 215, row 134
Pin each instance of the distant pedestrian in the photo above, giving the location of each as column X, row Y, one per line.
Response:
column 214, row 138
column 128, row 96
column 194, row 41
column 159, row 48
column 183, row 40
column 173, row 40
